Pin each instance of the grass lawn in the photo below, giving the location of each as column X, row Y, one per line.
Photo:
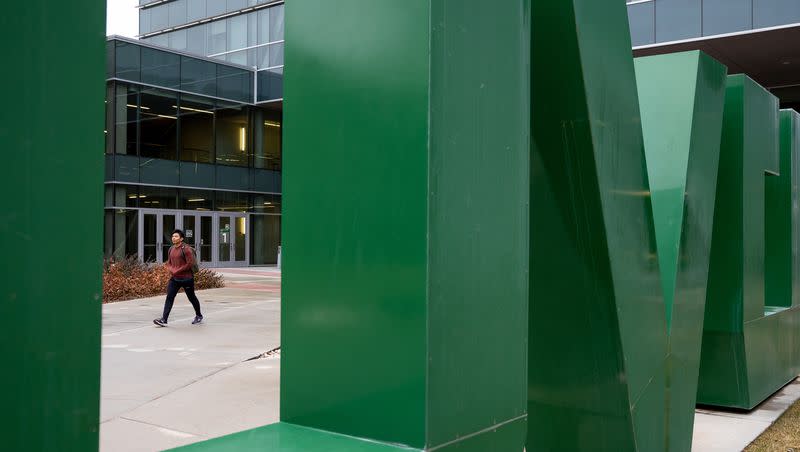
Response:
column 782, row 436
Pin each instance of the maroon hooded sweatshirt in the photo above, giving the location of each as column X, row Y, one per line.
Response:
column 176, row 264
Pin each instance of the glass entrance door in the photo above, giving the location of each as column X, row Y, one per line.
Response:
column 232, row 243
column 155, row 235
column 199, row 235
column 221, row 239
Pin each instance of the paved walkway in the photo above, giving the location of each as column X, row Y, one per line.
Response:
column 731, row 431
column 166, row 387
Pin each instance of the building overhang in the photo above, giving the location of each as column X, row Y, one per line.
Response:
column 770, row 56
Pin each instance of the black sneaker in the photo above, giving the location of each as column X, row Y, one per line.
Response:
column 160, row 322
column 197, row 319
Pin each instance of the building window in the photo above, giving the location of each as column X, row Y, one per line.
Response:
column 196, row 199
column 229, row 201
column 126, row 107
column 233, row 136
column 157, row 197
column 267, row 153
column 158, row 124
column 196, row 118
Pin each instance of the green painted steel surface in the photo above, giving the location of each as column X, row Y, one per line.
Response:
column 477, row 218
column 682, row 98
column 597, row 315
column 405, row 220
column 750, row 346
column 290, row 438
column 355, row 219
column 781, row 266
column 51, row 140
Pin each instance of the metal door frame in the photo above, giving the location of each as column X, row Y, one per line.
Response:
column 234, row 229
column 159, row 213
column 197, row 233
column 215, row 222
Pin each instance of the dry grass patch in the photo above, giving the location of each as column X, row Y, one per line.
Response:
column 782, row 436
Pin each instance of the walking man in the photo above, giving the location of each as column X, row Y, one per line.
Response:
column 180, row 264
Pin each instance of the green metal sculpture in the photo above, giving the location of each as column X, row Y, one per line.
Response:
column 597, row 328
column 404, row 302
column 51, row 140
column 750, row 343
column 682, row 97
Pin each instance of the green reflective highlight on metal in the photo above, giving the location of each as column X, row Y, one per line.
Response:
column 682, row 97
column 750, row 346
column 596, row 368
column 51, row 141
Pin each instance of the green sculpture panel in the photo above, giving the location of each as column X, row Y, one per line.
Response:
column 750, row 342
column 405, row 225
column 782, row 265
column 597, row 323
column 682, row 98
column 51, row 141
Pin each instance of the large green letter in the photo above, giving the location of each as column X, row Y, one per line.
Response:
column 405, row 285
column 597, row 316
column 51, row 141
column 749, row 346
column 682, row 97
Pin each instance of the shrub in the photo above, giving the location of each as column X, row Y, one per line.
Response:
column 130, row 278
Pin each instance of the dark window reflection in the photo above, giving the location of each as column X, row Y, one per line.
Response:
column 265, row 237
column 234, row 83
column 157, row 197
column 228, row 201
column 126, row 196
column 159, row 123
column 198, row 76
column 126, row 105
column 196, row 199
column 123, row 233
column 197, row 129
column 128, row 61
column 109, row 124
column 267, row 152
column 160, row 68
column 267, row 203
column 233, row 136
column 270, row 83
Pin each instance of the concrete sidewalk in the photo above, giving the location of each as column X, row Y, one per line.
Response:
column 730, row 431
column 165, row 387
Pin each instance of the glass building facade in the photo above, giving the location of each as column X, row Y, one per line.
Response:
column 661, row 21
column 187, row 147
column 244, row 32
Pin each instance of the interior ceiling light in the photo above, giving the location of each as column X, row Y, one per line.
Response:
column 142, row 107
column 197, row 200
column 194, row 109
column 272, row 124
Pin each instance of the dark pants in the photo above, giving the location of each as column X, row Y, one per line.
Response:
column 172, row 289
